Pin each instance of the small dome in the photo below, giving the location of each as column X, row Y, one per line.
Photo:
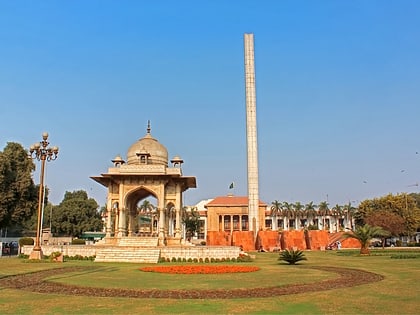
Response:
column 149, row 148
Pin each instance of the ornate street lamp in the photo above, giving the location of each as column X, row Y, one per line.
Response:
column 42, row 152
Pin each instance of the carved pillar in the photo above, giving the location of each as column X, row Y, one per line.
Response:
column 108, row 219
column 161, row 209
column 178, row 207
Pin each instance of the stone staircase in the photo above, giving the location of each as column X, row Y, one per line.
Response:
column 139, row 241
column 131, row 249
column 334, row 237
column 128, row 254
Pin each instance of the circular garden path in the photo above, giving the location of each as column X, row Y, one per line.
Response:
column 34, row 282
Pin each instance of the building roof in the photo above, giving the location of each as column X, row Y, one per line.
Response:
column 231, row 200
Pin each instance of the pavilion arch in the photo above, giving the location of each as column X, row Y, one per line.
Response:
column 132, row 199
column 145, row 174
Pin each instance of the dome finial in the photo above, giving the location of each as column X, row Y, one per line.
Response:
column 148, row 127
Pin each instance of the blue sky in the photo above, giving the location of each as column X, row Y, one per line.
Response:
column 337, row 92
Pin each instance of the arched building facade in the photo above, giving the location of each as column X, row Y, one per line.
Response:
column 145, row 174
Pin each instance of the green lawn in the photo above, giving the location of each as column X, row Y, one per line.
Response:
column 396, row 294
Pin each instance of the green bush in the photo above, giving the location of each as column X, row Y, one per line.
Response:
column 292, row 256
column 398, row 243
column 405, row 256
column 26, row 241
column 244, row 258
column 54, row 255
column 78, row 241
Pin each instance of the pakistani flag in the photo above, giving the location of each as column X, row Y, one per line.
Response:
column 231, row 186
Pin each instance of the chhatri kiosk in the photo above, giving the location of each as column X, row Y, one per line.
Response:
column 145, row 173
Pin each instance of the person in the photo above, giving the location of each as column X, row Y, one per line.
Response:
column 338, row 243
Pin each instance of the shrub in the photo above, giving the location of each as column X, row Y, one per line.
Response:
column 78, row 241
column 243, row 258
column 312, row 227
column 54, row 255
column 292, row 256
column 26, row 241
column 398, row 243
column 405, row 256
column 173, row 259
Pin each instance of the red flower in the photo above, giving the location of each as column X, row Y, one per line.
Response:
column 204, row 269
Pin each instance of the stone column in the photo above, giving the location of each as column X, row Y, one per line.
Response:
column 117, row 222
column 178, row 207
column 251, row 131
column 161, row 209
column 108, row 219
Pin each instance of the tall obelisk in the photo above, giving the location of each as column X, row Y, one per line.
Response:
column 251, row 134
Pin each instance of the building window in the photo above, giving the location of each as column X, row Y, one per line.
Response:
column 236, row 226
column 244, row 223
column 226, row 223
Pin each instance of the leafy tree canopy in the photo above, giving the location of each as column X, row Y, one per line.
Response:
column 76, row 214
column 191, row 220
column 403, row 205
column 18, row 193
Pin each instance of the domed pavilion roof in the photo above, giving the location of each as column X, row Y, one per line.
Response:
column 149, row 148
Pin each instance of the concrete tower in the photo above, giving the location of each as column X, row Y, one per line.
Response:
column 251, row 133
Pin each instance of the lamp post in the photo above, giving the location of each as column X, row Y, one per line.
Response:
column 42, row 152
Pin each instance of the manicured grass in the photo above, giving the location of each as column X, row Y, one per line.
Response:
column 396, row 294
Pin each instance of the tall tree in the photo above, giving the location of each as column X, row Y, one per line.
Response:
column 323, row 211
column 337, row 212
column 18, row 193
column 388, row 221
column 298, row 211
column 146, row 208
column 191, row 220
column 77, row 214
column 349, row 212
column 403, row 205
column 275, row 208
column 310, row 212
column 288, row 212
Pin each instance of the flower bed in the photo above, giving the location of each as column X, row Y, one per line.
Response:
column 200, row 269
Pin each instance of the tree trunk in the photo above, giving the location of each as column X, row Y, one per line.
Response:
column 364, row 251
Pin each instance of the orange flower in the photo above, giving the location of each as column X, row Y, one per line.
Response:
column 204, row 269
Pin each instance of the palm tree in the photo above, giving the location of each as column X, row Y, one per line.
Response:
column 323, row 211
column 337, row 212
column 364, row 235
column 275, row 210
column 298, row 211
column 146, row 210
column 310, row 211
column 146, row 207
column 349, row 211
column 287, row 209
